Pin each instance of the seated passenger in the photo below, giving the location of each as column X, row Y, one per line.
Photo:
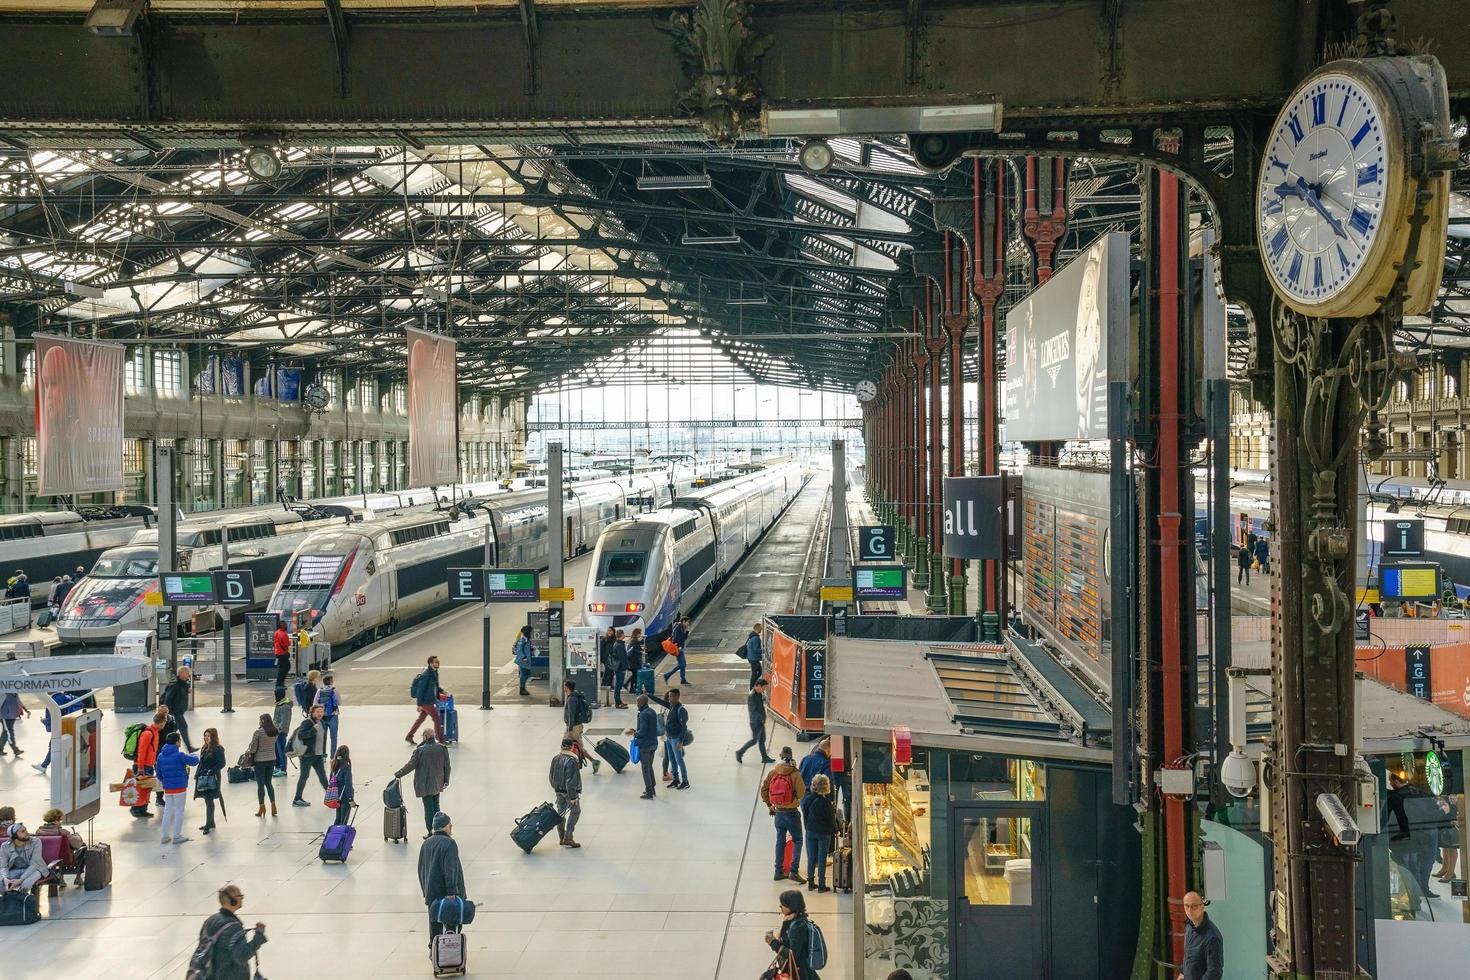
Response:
column 7, row 817
column 51, row 824
column 21, row 864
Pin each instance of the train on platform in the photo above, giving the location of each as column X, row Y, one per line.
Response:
column 357, row 581
column 648, row 570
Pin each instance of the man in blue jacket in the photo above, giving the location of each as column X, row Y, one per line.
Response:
column 425, row 691
column 754, row 653
column 645, row 736
column 817, row 762
column 676, row 730
column 522, row 652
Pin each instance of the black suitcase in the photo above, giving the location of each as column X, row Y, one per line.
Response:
column 535, row 825
column 19, row 909
column 395, row 823
column 240, row 774
column 97, row 867
column 613, row 753
column 842, row 866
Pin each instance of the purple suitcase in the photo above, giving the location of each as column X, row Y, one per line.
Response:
column 338, row 842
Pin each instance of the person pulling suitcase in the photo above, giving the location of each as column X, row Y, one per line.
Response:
column 566, row 783
column 575, row 714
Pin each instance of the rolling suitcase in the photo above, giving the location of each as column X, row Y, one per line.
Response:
column 337, row 843
column 645, row 681
column 448, row 954
column 535, row 825
column 842, row 866
column 395, row 823
column 449, row 719
column 97, row 867
column 612, row 753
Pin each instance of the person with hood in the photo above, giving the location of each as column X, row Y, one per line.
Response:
column 441, row 875
column 781, row 792
column 522, row 653
column 430, row 767
column 230, row 950
column 21, row 863
column 281, row 719
column 173, row 771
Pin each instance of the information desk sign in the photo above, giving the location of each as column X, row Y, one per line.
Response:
column 188, row 589
column 512, row 585
column 880, row 582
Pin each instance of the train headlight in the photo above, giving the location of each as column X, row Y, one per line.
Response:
column 633, row 607
column 597, row 607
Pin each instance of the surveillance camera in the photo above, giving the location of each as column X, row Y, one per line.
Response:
column 1339, row 822
column 1238, row 774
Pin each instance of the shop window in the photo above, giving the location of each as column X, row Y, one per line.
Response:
column 906, row 913
column 997, row 860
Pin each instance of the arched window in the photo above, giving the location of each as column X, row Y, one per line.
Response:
column 1451, row 385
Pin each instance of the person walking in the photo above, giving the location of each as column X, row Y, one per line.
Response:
column 11, row 711
column 342, row 780
column 310, row 739
column 521, row 653
column 303, row 692
column 576, row 713
column 173, row 772
column 782, row 791
column 645, row 737
column 566, row 783
column 676, row 736
column 441, row 875
column 229, row 950
column 619, row 668
column 65, row 590
column 635, row 661
column 330, row 701
column 1243, row 566
column 820, row 820
column 425, row 692
column 261, row 754
column 208, row 776
column 53, row 605
column 430, row 767
column 175, row 697
column 793, row 945
column 680, row 636
column 754, row 654
column 281, row 718
column 281, row 646
column 755, row 710
column 1204, row 947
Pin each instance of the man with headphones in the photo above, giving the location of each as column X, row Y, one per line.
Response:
column 222, row 942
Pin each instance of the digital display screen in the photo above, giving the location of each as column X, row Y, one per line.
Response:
column 512, row 585
column 880, row 582
column 184, row 589
column 1410, row 581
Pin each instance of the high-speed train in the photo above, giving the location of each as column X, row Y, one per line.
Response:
column 357, row 581
column 647, row 569
column 113, row 595
column 48, row 543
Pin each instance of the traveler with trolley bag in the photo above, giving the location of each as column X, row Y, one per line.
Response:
column 449, row 716
column 441, row 876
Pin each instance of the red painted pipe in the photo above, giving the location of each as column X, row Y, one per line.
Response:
column 1170, row 559
column 954, row 258
column 936, row 420
column 920, row 431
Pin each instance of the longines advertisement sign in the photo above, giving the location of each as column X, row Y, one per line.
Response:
column 1059, row 347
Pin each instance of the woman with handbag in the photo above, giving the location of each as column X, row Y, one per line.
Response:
column 207, row 777
column 261, row 754
column 341, row 785
column 793, row 945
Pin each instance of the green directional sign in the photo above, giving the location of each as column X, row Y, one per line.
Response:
column 879, row 582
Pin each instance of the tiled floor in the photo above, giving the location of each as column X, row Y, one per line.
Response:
column 679, row 887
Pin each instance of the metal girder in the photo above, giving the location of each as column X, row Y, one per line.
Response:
column 439, row 75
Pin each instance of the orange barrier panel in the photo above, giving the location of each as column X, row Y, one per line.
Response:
column 791, row 676
column 1449, row 672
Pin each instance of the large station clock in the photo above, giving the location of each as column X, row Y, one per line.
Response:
column 1337, row 187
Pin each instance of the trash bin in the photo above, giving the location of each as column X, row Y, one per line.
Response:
column 1018, row 881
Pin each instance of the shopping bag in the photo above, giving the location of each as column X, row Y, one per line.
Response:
column 633, row 751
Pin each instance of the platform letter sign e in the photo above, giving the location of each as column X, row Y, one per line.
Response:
column 467, row 585
column 1416, row 663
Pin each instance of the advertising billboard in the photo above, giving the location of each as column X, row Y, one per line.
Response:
column 79, row 415
column 433, row 411
column 973, row 506
column 1062, row 343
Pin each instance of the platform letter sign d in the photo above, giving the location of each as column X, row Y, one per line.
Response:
column 235, row 587
column 1416, row 663
column 467, row 584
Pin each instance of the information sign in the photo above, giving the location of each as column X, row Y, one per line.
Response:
column 880, row 582
column 188, row 589
column 512, row 585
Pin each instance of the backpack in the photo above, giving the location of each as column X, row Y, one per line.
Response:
column 418, row 685
column 561, row 772
column 584, row 712
column 816, row 946
column 201, row 964
column 780, row 790
column 305, row 733
column 298, row 694
column 393, row 794
column 130, row 740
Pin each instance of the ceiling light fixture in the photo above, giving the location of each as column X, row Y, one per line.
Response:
column 262, row 162
column 675, row 182
column 746, row 301
column 816, row 156
column 860, row 120
column 115, row 18
column 730, row 239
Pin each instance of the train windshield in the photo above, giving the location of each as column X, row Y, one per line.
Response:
column 131, row 564
column 313, row 572
column 622, row 568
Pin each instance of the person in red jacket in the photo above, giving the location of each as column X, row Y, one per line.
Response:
column 281, row 644
column 149, row 743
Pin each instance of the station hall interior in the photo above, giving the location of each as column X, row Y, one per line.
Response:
column 1055, row 405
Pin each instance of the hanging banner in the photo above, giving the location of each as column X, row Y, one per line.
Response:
column 432, row 410
column 79, row 415
column 972, row 517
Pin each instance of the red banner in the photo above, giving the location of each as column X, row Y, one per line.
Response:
column 79, row 415
column 433, row 410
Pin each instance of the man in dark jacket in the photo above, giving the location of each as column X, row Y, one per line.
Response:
column 430, row 767
column 426, row 698
column 231, row 951
column 440, row 873
column 575, row 713
column 755, row 707
column 755, row 655
column 817, row 762
column 676, row 732
column 645, row 736
column 566, row 783
column 175, row 697
column 1204, row 947
column 680, row 636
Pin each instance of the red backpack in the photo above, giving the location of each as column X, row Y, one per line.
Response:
column 780, row 790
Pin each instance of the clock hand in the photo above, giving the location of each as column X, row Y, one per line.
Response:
column 1310, row 197
column 1284, row 189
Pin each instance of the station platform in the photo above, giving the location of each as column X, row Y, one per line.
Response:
column 677, row 887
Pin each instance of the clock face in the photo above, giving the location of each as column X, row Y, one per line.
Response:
column 1324, row 188
column 866, row 391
